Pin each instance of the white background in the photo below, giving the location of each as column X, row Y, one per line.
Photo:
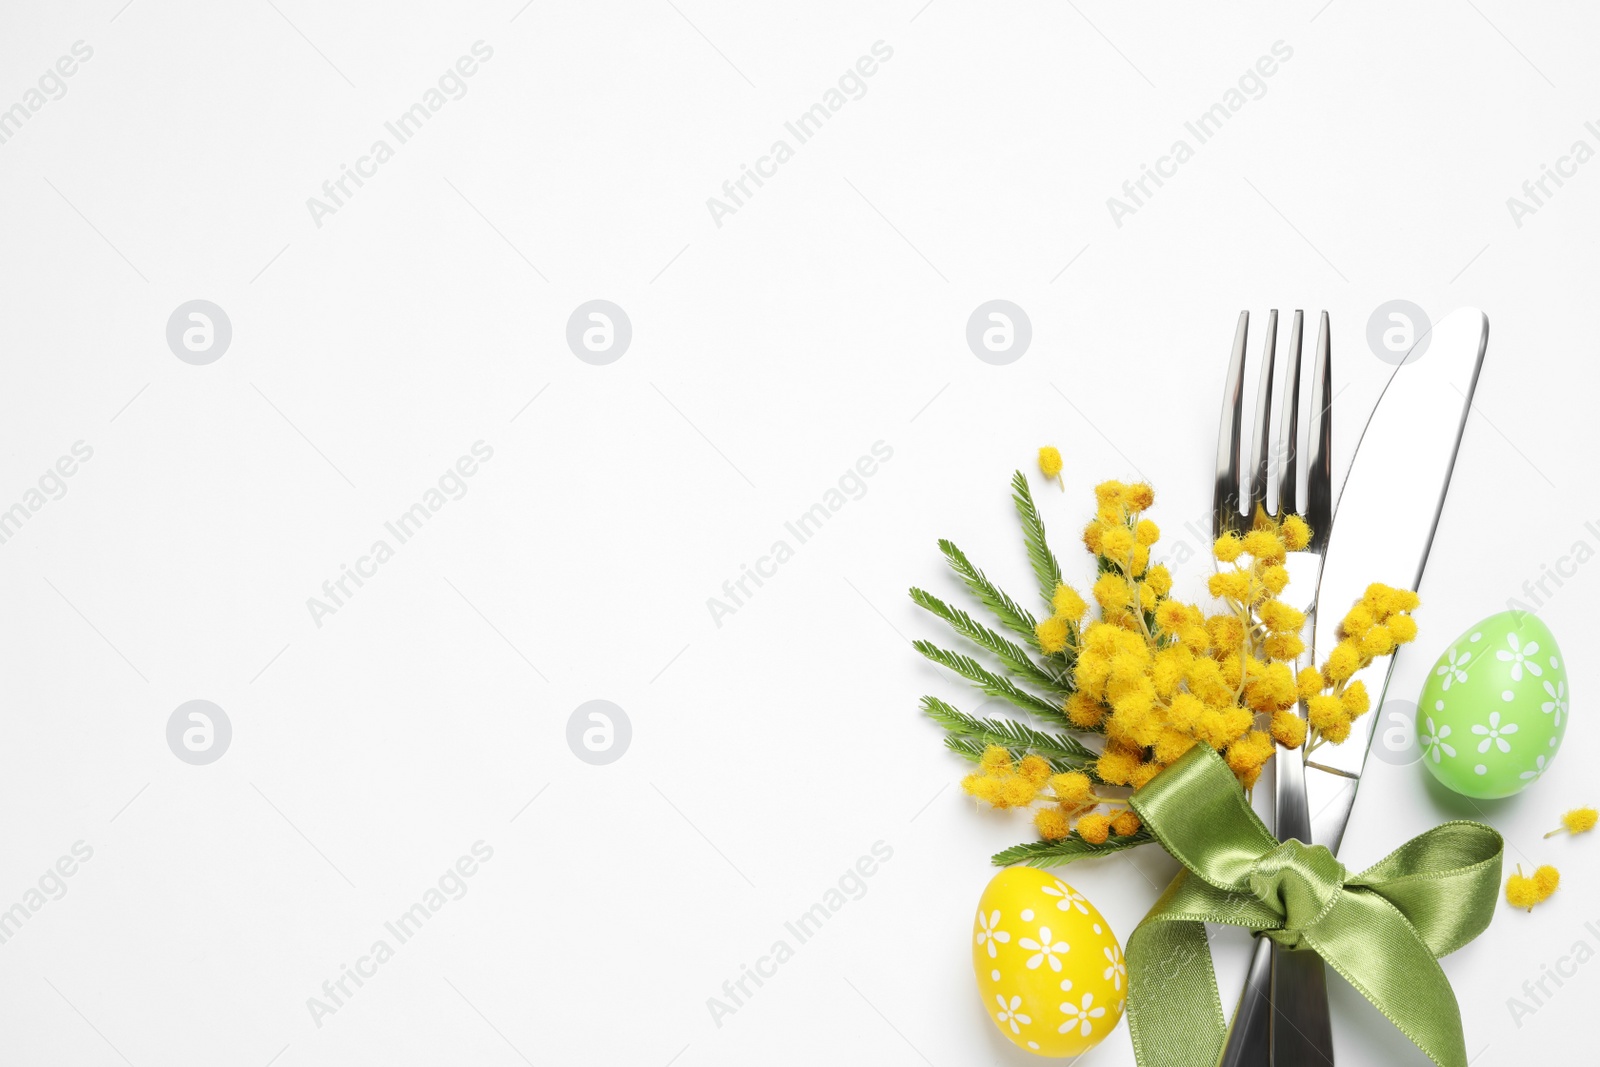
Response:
column 768, row 354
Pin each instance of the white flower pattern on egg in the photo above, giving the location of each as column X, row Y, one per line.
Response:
column 1520, row 657
column 1118, row 969
column 1068, row 895
column 989, row 932
column 1533, row 775
column 1493, row 734
column 1080, row 1015
column 1455, row 670
column 1008, row 1013
column 1044, row 950
column 1557, row 702
column 1433, row 742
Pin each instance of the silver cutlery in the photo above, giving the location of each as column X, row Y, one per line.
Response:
column 1256, row 1031
column 1385, row 520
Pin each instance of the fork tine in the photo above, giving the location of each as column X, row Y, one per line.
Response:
column 1319, row 469
column 1289, row 423
column 1225, row 500
column 1261, row 439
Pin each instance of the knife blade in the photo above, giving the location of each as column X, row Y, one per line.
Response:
column 1383, row 527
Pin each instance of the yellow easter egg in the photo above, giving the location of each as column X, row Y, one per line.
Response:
column 1049, row 969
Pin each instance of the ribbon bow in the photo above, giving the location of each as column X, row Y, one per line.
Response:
column 1382, row 929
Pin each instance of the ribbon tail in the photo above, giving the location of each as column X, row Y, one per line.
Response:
column 1368, row 941
column 1174, row 1009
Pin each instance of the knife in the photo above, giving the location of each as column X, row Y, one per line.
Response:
column 1383, row 527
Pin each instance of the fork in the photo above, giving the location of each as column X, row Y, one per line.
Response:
column 1293, row 980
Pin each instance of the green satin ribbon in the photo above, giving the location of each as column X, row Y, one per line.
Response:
column 1382, row 929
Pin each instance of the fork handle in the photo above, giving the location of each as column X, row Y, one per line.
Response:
column 1302, row 1033
column 1249, row 1039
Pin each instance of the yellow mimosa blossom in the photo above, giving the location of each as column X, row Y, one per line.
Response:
column 1376, row 642
column 1229, row 585
column 1094, row 828
column 1052, row 824
column 1576, row 821
column 1288, row 729
column 1071, row 788
column 1126, row 823
column 1091, row 536
column 1035, row 769
column 1185, row 711
column 1084, row 711
column 1068, row 604
column 1274, row 578
column 1116, row 765
column 983, row 787
column 1050, row 464
column 1111, row 592
column 1117, row 543
column 1053, row 634
column 1264, row 545
column 1521, row 892
column 995, row 760
column 1227, row 548
column 1343, row 661
column 1172, row 616
column 1284, row 646
column 1159, row 579
column 1325, row 712
column 1403, row 628
column 1358, row 620
column 1280, row 618
column 1172, row 744
column 1017, row 791
column 1355, row 700
column 1296, row 534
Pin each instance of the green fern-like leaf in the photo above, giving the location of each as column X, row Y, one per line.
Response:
column 1045, row 568
column 1008, row 733
column 1015, row 658
column 991, row 683
column 1011, row 614
column 1058, row 853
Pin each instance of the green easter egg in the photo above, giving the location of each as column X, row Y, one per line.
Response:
column 1495, row 708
